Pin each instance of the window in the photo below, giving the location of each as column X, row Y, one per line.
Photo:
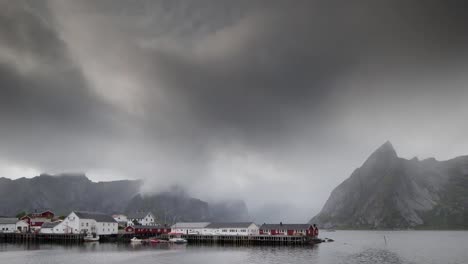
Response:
column 224, row 230
column 243, row 230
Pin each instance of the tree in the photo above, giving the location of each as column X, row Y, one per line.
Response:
column 20, row 214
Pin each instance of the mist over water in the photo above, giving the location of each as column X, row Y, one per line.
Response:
column 363, row 247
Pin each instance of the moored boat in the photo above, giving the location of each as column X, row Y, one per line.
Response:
column 91, row 237
column 154, row 241
column 178, row 240
column 135, row 240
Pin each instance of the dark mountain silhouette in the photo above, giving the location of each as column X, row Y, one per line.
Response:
column 392, row 192
column 66, row 192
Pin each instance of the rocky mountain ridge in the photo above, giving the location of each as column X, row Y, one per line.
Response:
column 389, row 192
column 66, row 192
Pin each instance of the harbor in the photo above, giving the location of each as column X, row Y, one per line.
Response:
column 192, row 239
column 142, row 227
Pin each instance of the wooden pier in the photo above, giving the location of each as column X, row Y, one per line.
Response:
column 192, row 239
column 33, row 237
column 249, row 239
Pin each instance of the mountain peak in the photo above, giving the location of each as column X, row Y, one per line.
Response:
column 381, row 155
column 386, row 149
column 387, row 145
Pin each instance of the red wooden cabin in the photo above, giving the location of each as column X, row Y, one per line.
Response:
column 287, row 229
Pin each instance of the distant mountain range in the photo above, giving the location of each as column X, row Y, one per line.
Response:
column 66, row 192
column 388, row 192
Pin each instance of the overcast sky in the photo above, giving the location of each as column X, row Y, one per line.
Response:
column 273, row 102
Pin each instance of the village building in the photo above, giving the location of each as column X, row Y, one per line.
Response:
column 86, row 222
column 22, row 226
column 147, row 230
column 121, row 219
column 13, row 225
column 287, row 229
column 43, row 214
column 49, row 228
column 189, row 227
column 37, row 219
column 240, row 228
column 142, row 218
column 35, row 223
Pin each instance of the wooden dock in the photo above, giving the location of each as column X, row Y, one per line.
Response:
column 33, row 237
column 249, row 239
column 192, row 239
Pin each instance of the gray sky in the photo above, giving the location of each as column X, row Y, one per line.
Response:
column 273, row 102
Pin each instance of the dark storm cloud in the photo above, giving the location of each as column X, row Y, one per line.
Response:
column 238, row 94
column 46, row 106
column 286, row 60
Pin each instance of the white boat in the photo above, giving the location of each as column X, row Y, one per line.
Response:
column 177, row 240
column 136, row 240
column 91, row 237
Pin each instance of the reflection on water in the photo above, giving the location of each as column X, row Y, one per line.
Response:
column 363, row 247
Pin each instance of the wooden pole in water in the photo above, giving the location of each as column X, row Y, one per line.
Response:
column 385, row 239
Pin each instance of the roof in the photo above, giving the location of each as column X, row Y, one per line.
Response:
column 138, row 215
column 117, row 215
column 50, row 224
column 230, row 225
column 9, row 221
column 41, row 212
column 190, row 225
column 150, row 227
column 285, row 226
column 96, row 216
column 40, row 219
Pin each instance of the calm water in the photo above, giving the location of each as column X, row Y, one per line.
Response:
column 349, row 247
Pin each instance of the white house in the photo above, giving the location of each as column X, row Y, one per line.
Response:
column 85, row 222
column 121, row 219
column 22, row 226
column 49, row 228
column 143, row 218
column 189, row 228
column 240, row 228
column 13, row 225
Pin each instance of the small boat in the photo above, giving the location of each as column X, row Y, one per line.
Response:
column 178, row 240
column 154, row 241
column 91, row 237
column 136, row 240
